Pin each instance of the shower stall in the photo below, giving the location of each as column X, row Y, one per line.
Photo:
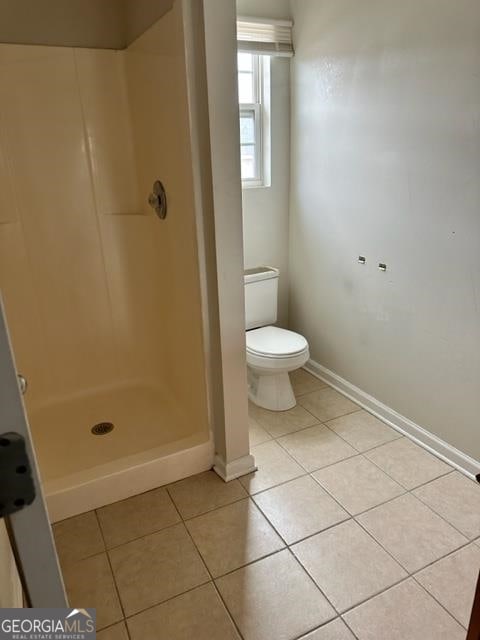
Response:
column 103, row 296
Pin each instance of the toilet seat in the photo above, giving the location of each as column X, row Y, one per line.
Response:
column 275, row 343
column 271, row 354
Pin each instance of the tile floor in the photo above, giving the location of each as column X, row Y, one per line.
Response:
column 347, row 530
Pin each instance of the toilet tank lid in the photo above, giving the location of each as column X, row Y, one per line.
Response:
column 260, row 273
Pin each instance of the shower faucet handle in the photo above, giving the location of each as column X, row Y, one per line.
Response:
column 158, row 199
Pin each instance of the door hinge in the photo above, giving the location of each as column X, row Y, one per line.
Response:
column 17, row 489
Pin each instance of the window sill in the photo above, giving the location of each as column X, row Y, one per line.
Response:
column 254, row 185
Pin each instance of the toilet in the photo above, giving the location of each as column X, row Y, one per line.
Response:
column 271, row 352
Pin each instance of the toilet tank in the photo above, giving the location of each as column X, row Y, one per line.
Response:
column 261, row 293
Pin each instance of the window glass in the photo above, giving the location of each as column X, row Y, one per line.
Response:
column 249, row 96
column 247, row 127
column 245, row 62
column 248, row 161
column 245, row 87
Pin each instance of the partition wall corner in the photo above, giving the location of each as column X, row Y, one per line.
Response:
column 232, row 450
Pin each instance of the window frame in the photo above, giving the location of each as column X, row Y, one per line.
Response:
column 257, row 108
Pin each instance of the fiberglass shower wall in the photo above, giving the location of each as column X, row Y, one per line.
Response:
column 102, row 297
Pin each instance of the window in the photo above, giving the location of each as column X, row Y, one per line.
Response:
column 252, row 118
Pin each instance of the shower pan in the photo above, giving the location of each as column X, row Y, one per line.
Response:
column 102, row 291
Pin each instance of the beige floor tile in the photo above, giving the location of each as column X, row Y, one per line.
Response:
column 362, row 430
column 407, row 463
column 303, row 382
column 89, row 583
column 279, row 423
column 233, row 536
column 117, row 632
column 358, row 484
column 78, row 537
column 452, row 581
column 316, row 447
column 327, row 404
column 455, row 498
column 204, row 492
column 299, row 509
column 274, row 467
column 152, row 569
column 336, row 630
column 347, row 564
column 274, row 599
column 411, row 532
column 257, row 434
column 136, row 517
column 404, row 612
column 196, row 615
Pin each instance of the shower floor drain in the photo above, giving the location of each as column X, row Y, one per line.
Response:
column 102, row 428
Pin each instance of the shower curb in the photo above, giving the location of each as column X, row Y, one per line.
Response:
column 103, row 485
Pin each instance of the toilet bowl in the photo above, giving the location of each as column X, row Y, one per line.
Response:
column 271, row 354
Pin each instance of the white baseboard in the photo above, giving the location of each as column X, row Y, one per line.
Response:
column 235, row 469
column 83, row 492
column 421, row 436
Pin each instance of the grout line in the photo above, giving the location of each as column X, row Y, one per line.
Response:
column 231, row 618
column 397, row 436
column 137, row 538
column 307, row 573
column 342, row 415
column 405, row 492
column 425, row 504
column 117, row 591
column 111, row 626
column 302, row 475
column 317, row 423
column 212, row 580
column 194, row 544
column 159, row 604
column 289, row 546
column 354, row 518
column 252, row 562
column 310, row 535
column 323, row 467
column 220, row 506
column 412, row 489
column 438, row 602
column 359, row 513
column 349, row 628
column 374, row 540
column 444, row 473
column 325, row 624
column 433, row 509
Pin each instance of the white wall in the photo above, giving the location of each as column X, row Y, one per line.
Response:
column 386, row 163
column 278, row 9
column 265, row 209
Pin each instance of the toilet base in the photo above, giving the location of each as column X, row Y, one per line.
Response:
column 271, row 391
